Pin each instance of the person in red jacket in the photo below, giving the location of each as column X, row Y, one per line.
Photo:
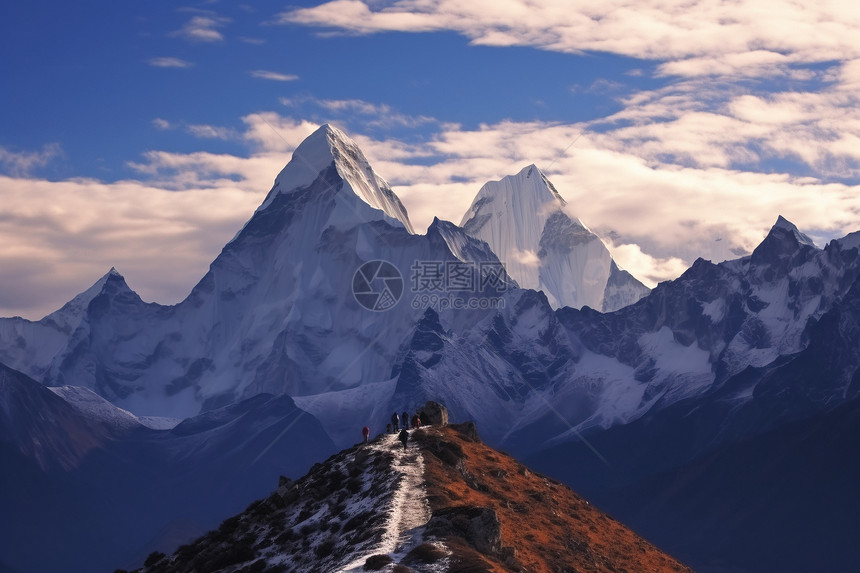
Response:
column 365, row 431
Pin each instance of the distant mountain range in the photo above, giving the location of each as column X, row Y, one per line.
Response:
column 327, row 312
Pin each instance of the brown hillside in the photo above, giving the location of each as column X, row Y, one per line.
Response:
column 545, row 527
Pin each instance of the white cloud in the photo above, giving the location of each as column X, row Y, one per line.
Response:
column 370, row 115
column 162, row 124
column 270, row 132
column 201, row 170
column 59, row 237
column 648, row 269
column 169, row 63
column 22, row 163
column 202, row 28
column 526, row 257
column 274, row 76
column 696, row 38
column 212, row 132
column 706, row 124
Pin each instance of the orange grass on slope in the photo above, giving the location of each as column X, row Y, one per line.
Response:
column 549, row 527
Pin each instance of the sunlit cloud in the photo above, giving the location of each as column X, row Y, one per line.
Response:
column 271, row 132
column 706, row 124
column 648, row 269
column 59, row 237
column 693, row 38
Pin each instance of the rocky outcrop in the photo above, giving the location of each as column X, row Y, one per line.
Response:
column 479, row 526
column 434, row 414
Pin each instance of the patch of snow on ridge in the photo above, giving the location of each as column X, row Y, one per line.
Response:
column 850, row 241
column 97, row 408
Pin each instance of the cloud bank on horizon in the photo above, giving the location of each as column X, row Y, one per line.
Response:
column 723, row 116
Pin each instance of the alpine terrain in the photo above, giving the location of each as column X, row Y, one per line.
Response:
column 716, row 413
column 445, row 503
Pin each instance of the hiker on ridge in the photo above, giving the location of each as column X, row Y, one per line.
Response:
column 404, row 420
column 365, row 431
column 403, row 437
column 395, row 420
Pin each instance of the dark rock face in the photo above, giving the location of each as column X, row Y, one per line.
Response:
column 479, row 526
column 468, row 430
column 434, row 414
column 562, row 234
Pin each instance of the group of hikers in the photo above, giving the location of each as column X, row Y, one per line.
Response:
column 398, row 421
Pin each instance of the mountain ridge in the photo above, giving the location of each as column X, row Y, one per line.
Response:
column 445, row 503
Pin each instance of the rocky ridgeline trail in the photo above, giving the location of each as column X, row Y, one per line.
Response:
column 447, row 503
column 362, row 509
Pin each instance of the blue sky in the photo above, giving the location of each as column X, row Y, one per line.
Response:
column 142, row 135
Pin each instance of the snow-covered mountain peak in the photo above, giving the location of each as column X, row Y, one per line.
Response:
column 70, row 314
column 540, row 185
column 329, row 146
column 786, row 225
column 112, row 277
column 529, row 191
column 525, row 221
